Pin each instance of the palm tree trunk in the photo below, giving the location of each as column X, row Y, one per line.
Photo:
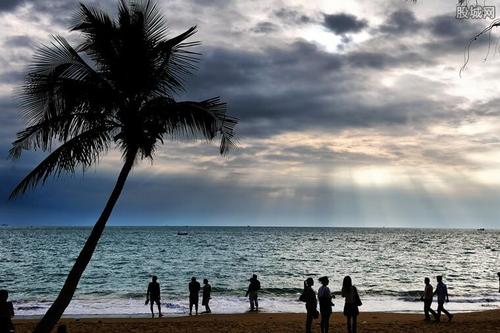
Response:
column 52, row 316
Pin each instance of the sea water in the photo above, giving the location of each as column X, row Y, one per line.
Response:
column 388, row 266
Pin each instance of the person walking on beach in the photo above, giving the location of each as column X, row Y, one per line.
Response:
column 252, row 293
column 442, row 295
column 427, row 298
column 352, row 301
column 207, row 290
column 194, row 294
column 309, row 297
column 6, row 313
column 325, row 303
column 153, row 295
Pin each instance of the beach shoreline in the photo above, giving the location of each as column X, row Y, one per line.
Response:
column 481, row 321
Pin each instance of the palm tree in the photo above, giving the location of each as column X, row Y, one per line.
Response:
column 115, row 89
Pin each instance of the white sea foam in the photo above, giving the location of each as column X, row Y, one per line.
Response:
column 229, row 304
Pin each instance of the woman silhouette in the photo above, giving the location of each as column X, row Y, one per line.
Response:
column 309, row 297
column 352, row 301
column 325, row 303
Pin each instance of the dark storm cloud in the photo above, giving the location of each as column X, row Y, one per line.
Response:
column 344, row 23
column 445, row 26
column 301, row 86
column 265, row 27
column 400, row 22
column 444, row 34
column 7, row 5
column 379, row 60
column 292, row 16
column 448, row 35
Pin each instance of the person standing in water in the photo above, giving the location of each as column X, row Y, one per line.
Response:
column 153, row 295
column 207, row 290
column 352, row 301
column 194, row 294
column 498, row 281
column 6, row 313
column 309, row 297
column 325, row 303
column 442, row 295
column 252, row 293
column 427, row 298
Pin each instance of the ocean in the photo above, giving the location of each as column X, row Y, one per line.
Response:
column 388, row 266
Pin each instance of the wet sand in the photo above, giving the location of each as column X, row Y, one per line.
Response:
column 484, row 322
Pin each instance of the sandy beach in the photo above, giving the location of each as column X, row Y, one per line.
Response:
column 487, row 321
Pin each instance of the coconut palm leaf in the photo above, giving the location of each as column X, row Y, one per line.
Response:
column 82, row 150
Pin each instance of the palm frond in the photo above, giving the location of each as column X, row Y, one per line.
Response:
column 99, row 32
column 57, row 82
column 59, row 128
column 176, row 61
column 82, row 150
column 155, row 25
column 207, row 119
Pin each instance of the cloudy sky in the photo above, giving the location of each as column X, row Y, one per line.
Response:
column 352, row 113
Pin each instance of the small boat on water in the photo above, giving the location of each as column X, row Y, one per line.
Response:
column 480, row 229
column 182, row 233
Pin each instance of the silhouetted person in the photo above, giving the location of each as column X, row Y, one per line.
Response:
column 442, row 295
column 309, row 297
column 498, row 281
column 6, row 313
column 427, row 298
column 352, row 301
column 194, row 295
column 252, row 293
column 62, row 329
column 207, row 290
column 153, row 296
column 325, row 303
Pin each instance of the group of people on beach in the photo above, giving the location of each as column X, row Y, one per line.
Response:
column 153, row 295
column 442, row 297
column 324, row 298
column 353, row 301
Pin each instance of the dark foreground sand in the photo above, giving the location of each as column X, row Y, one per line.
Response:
column 484, row 322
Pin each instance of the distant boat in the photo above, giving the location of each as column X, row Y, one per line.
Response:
column 182, row 233
column 480, row 229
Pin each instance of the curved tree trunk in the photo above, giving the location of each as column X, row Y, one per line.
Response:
column 56, row 310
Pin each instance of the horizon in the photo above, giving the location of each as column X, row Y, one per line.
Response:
column 350, row 115
column 247, row 226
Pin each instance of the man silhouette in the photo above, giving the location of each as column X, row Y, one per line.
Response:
column 194, row 295
column 6, row 312
column 498, row 281
column 153, row 296
column 207, row 290
column 253, row 288
column 427, row 298
column 442, row 294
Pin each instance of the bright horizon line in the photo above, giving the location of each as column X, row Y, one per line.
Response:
column 249, row 226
